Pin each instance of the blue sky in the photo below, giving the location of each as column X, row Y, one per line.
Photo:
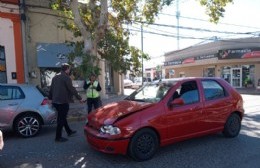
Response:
column 240, row 17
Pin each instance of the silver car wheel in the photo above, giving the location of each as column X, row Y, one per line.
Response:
column 28, row 126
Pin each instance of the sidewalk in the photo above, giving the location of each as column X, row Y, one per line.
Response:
column 78, row 111
column 250, row 91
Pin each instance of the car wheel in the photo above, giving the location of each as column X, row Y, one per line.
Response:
column 28, row 125
column 143, row 145
column 232, row 126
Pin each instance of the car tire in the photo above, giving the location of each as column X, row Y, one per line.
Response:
column 27, row 125
column 232, row 126
column 143, row 145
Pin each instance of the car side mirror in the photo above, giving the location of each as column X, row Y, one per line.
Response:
column 177, row 102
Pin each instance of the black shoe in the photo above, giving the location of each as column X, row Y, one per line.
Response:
column 72, row 133
column 61, row 139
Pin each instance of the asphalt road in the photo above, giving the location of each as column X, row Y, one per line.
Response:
column 212, row 151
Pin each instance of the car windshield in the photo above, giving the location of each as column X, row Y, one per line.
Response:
column 152, row 93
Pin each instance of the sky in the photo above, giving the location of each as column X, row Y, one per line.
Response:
column 240, row 17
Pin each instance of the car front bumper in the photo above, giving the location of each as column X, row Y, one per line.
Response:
column 102, row 144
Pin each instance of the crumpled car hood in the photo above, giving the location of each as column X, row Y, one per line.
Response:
column 110, row 113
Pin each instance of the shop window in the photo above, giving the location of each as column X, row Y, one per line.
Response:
column 226, row 73
column 247, row 76
column 248, row 73
column 209, row 72
column 3, row 76
column 182, row 75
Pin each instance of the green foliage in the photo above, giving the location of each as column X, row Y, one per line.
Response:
column 110, row 40
column 116, row 50
column 215, row 8
column 86, row 67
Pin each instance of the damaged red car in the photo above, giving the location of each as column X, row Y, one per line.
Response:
column 165, row 112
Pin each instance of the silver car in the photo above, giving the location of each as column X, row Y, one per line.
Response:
column 24, row 109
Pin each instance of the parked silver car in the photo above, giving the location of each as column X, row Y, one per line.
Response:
column 128, row 83
column 24, row 109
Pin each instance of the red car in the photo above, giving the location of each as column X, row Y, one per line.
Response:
column 165, row 112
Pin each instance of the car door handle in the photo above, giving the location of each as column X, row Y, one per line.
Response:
column 13, row 104
column 195, row 108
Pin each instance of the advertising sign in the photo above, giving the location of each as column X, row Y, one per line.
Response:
column 243, row 53
column 190, row 59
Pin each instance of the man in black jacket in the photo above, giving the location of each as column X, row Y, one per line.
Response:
column 61, row 94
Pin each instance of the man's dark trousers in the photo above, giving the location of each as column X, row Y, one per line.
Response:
column 62, row 110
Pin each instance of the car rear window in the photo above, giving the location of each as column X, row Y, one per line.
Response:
column 45, row 93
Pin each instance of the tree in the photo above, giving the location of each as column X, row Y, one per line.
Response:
column 100, row 23
column 215, row 8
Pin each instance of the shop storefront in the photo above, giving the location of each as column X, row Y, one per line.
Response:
column 238, row 66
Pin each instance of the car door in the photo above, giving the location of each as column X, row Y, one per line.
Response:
column 218, row 103
column 185, row 120
column 11, row 98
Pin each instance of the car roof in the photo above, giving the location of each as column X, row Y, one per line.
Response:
column 185, row 78
column 24, row 85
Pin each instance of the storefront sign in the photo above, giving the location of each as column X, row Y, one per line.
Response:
column 203, row 57
column 175, row 62
column 190, row 59
column 239, row 53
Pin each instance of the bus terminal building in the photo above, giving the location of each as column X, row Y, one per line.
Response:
column 236, row 60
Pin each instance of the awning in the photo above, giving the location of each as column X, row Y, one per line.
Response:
column 51, row 55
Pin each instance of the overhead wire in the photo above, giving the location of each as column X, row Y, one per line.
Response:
column 196, row 29
column 203, row 20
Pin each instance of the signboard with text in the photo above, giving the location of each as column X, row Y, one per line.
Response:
column 190, row 60
column 242, row 53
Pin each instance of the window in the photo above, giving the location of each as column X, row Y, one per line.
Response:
column 3, row 76
column 209, row 72
column 188, row 91
column 212, row 90
column 10, row 92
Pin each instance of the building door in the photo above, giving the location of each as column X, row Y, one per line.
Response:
column 236, row 77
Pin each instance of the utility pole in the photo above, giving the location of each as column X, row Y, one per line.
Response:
column 178, row 23
column 142, row 49
column 23, row 20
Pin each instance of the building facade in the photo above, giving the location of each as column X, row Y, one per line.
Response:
column 236, row 60
column 11, row 43
column 34, row 46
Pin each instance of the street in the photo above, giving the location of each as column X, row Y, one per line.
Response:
column 214, row 151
